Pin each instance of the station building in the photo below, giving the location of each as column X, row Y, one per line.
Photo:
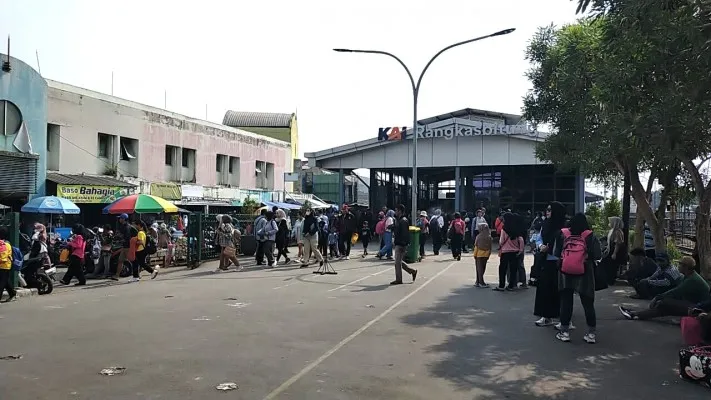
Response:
column 466, row 159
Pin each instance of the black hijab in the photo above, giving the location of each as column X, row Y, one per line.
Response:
column 514, row 226
column 552, row 226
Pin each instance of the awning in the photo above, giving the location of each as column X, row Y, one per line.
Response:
column 286, row 206
column 87, row 180
column 300, row 199
column 168, row 191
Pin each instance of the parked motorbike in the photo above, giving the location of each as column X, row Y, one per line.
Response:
column 37, row 277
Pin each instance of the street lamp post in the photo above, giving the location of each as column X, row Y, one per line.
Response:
column 415, row 95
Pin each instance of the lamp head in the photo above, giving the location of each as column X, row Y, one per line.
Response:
column 504, row 32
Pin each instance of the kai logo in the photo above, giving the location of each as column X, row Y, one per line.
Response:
column 392, row 133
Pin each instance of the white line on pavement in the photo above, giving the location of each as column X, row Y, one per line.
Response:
column 360, row 279
column 276, row 392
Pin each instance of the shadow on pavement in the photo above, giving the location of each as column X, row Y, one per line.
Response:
column 493, row 350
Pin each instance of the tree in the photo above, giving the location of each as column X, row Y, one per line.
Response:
column 572, row 91
column 662, row 58
column 249, row 205
column 305, row 206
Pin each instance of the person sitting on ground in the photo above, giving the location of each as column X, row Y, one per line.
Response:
column 641, row 267
column 677, row 301
column 664, row 278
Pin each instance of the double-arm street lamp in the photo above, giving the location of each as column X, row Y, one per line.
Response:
column 415, row 94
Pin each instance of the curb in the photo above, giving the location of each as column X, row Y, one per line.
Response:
column 22, row 292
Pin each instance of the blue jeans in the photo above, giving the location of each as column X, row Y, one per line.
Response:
column 388, row 245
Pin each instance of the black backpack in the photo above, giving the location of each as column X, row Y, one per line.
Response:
column 151, row 245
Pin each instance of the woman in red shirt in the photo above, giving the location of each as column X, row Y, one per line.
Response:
column 76, row 245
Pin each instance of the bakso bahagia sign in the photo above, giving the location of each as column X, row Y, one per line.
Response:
column 448, row 130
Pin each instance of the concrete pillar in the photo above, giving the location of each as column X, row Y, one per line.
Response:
column 579, row 192
column 341, row 188
column 457, row 188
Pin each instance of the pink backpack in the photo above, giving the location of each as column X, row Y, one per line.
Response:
column 458, row 226
column 574, row 252
column 380, row 227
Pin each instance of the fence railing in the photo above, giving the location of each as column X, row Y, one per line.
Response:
column 201, row 241
column 680, row 226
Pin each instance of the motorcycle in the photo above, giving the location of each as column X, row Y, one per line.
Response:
column 36, row 276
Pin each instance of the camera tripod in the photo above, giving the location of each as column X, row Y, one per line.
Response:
column 326, row 268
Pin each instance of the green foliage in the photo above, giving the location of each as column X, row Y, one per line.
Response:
column 249, row 205
column 599, row 217
column 672, row 251
column 305, row 206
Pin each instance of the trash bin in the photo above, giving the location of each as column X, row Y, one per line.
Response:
column 413, row 250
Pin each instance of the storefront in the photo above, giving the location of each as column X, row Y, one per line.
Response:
column 90, row 193
column 466, row 160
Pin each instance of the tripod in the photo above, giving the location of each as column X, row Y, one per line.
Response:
column 326, row 268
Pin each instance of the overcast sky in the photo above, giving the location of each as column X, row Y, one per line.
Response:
column 276, row 56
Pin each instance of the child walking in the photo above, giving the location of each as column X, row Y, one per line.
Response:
column 365, row 237
column 322, row 238
column 482, row 251
column 333, row 243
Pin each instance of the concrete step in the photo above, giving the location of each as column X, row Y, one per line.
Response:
column 21, row 292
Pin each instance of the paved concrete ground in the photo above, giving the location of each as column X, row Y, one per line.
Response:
column 288, row 334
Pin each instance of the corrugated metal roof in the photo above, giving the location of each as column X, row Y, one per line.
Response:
column 243, row 119
column 89, row 180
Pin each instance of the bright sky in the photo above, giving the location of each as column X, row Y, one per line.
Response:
column 276, row 56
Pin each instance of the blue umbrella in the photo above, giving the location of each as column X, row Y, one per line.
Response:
column 51, row 205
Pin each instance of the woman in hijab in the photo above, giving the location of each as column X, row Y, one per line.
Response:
column 616, row 252
column 387, row 249
column 547, row 303
column 511, row 246
column 584, row 284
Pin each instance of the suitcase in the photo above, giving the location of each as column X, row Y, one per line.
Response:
column 695, row 364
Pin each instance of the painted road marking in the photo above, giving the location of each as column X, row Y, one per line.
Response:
column 360, row 279
column 276, row 392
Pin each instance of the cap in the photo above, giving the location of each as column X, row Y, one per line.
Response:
column 123, row 216
column 423, row 213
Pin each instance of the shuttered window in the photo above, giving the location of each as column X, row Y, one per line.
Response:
column 19, row 174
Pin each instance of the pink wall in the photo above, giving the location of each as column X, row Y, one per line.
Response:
column 207, row 145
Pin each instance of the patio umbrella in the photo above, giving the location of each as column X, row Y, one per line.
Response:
column 140, row 204
column 50, row 205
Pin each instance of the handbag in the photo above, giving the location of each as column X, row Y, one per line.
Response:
column 691, row 331
column 600, row 277
column 695, row 364
column 228, row 251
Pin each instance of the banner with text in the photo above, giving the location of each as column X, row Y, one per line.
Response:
column 86, row 194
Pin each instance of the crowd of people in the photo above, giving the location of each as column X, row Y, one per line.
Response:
column 568, row 257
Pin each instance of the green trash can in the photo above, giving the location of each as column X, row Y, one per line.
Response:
column 413, row 250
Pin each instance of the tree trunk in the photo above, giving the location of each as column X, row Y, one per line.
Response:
column 703, row 230
column 644, row 208
column 703, row 238
column 638, row 232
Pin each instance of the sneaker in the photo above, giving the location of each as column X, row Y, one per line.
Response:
column 347, row 257
column 570, row 327
column 287, row 261
column 563, row 336
column 396, row 283
column 544, row 322
column 10, row 299
column 589, row 338
column 627, row 313
column 134, row 280
column 484, row 285
column 155, row 273
column 498, row 289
